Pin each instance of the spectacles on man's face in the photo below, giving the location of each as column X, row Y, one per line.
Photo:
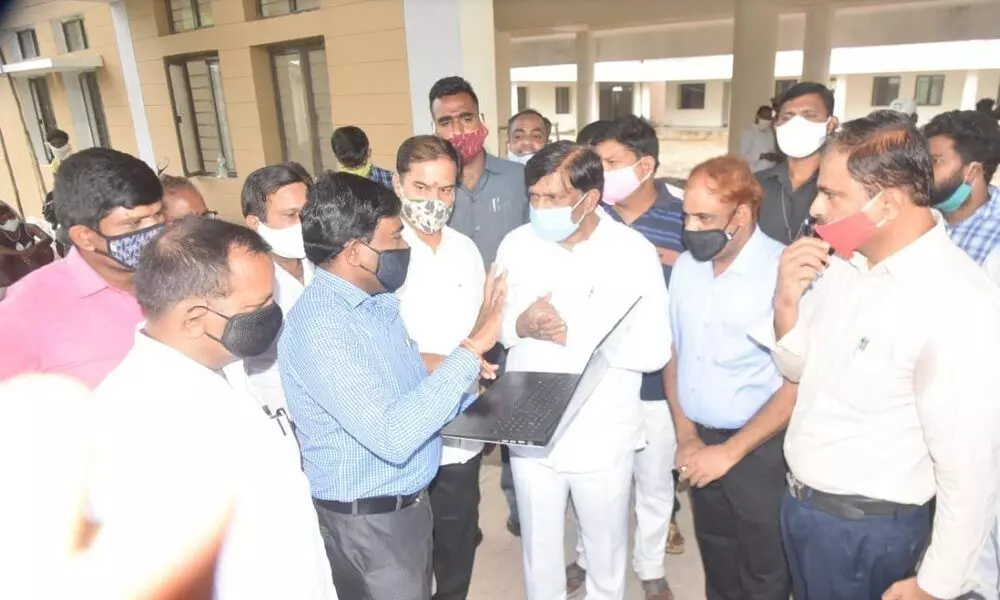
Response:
column 211, row 214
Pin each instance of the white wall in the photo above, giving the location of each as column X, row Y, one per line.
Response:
column 859, row 94
column 710, row 116
column 542, row 97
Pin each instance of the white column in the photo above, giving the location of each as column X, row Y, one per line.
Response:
column 133, row 89
column 840, row 98
column 451, row 37
column 818, row 43
column 586, row 87
column 755, row 42
column 970, row 91
column 504, row 111
column 637, row 98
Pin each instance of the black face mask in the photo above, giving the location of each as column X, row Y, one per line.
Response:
column 392, row 267
column 250, row 333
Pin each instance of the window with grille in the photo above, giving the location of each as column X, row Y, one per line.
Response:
column 75, row 35
column 929, row 90
column 95, row 109
column 276, row 8
column 186, row 15
column 305, row 112
column 200, row 114
column 27, row 43
column 884, row 90
column 691, row 96
column 562, row 101
column 45, row 117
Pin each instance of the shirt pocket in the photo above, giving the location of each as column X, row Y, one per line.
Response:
column 874, row 378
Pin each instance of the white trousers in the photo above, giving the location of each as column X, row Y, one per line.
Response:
column 601, row 502
column 654, row 493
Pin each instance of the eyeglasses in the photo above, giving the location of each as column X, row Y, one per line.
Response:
column 212, row 214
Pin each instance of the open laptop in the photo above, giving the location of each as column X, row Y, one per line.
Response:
column 524, row 408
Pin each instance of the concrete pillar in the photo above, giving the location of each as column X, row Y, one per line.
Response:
column 586, row 87
column 637, row 98
column 504, row 112
column 133, row 88
column 462, row 44
column 755, row 42
column 840, row 98
column 818, row 43
column 970, row 91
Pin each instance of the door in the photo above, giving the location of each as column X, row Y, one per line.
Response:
column 615, row 100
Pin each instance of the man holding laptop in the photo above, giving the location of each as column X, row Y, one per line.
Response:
column 572, row 273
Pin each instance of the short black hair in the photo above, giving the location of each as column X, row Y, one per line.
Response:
column 985, row 105
column 449, row 86
column 886, row 150
column 805, row 88
column 173, row 183
column 92, row 183
column 635, row 133
column 343, row 207
column 423, row 148
column 190, row 260
column 350, row 146
column 976, row 136
column 581, row 165
column 546, row 123
column 765, row 108
column 265, row 181
column 592, row 131
column 57, row 137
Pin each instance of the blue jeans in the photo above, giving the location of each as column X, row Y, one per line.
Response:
column 833, row 558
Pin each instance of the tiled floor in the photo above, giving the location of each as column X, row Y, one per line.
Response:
column 498, row 573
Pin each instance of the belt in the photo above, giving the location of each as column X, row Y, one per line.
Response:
column 371, row 506
column 849, row 507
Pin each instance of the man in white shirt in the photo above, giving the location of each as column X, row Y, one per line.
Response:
column 572, row 271
column 894, row 348
column 757, row 144
column 174, row 415
column 728, row 401
column 272, row 199
column 439, row 304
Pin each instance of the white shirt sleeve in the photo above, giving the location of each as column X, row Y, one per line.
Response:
column 517, row 300
column 649, row 336
column 789, row 353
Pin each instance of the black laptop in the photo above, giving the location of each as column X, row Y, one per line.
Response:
column 523, row 408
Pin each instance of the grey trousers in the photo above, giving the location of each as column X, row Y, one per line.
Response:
column 380, row 557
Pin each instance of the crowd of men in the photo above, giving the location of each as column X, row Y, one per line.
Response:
column 816, row 331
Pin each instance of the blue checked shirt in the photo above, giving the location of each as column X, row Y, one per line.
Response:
column 366, row 411
column 382, row 176
column 979, row 234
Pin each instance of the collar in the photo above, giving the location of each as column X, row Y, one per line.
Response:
column 745, row 262
column 911, row 261
column 308, row 272
column 493, row 164
column 350, row 294
column 990, row 210
column 173, row 361
column 410, row 237
column 781, row 173
column 86, row 281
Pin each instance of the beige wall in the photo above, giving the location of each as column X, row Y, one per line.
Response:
column 32, row 175
column 366, row 61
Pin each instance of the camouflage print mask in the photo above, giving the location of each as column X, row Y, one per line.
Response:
column 429, row 216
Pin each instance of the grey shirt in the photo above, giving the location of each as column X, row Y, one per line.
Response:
column 784, row 210
column 497, row 206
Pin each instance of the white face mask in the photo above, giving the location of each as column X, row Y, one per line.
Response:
column 519, row 159
column 10, row 226
column 286, row 243
column 800, row 137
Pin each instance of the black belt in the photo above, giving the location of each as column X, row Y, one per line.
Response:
column 371, row 506
column 853, row 508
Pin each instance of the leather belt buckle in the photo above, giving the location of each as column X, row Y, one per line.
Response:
column 795, row 487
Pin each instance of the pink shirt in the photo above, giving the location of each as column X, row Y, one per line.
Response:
column 64, row 318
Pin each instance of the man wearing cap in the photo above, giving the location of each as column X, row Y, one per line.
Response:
column 906, row 106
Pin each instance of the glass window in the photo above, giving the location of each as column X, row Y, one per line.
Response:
column 200, row 114
column 304, row 106
column 884, row 90
column 562, row 101
column 522, row 98
column 75, row 35
column 691, row 96
column 276, row 8
column 45, row 117
column 189, row 14
column 930, row 89
column 95, row 109
column 27, row 43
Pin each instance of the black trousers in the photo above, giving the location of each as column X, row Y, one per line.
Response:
column 455, row 503
column 737, row 523
column 380, row 557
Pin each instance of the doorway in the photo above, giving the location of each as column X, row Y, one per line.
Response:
column 615, row 100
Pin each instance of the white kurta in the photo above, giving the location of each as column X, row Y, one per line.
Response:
column 171, row 423
column 439, row 304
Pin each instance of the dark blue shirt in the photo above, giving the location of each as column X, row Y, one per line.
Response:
column 663, row 226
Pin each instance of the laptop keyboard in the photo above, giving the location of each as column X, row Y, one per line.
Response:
column 530, row 412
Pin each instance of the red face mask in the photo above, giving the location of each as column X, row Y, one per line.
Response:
column 849, row 233
column 470, row 143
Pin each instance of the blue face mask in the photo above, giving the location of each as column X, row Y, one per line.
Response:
column 554, row 224
column 955, row 200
